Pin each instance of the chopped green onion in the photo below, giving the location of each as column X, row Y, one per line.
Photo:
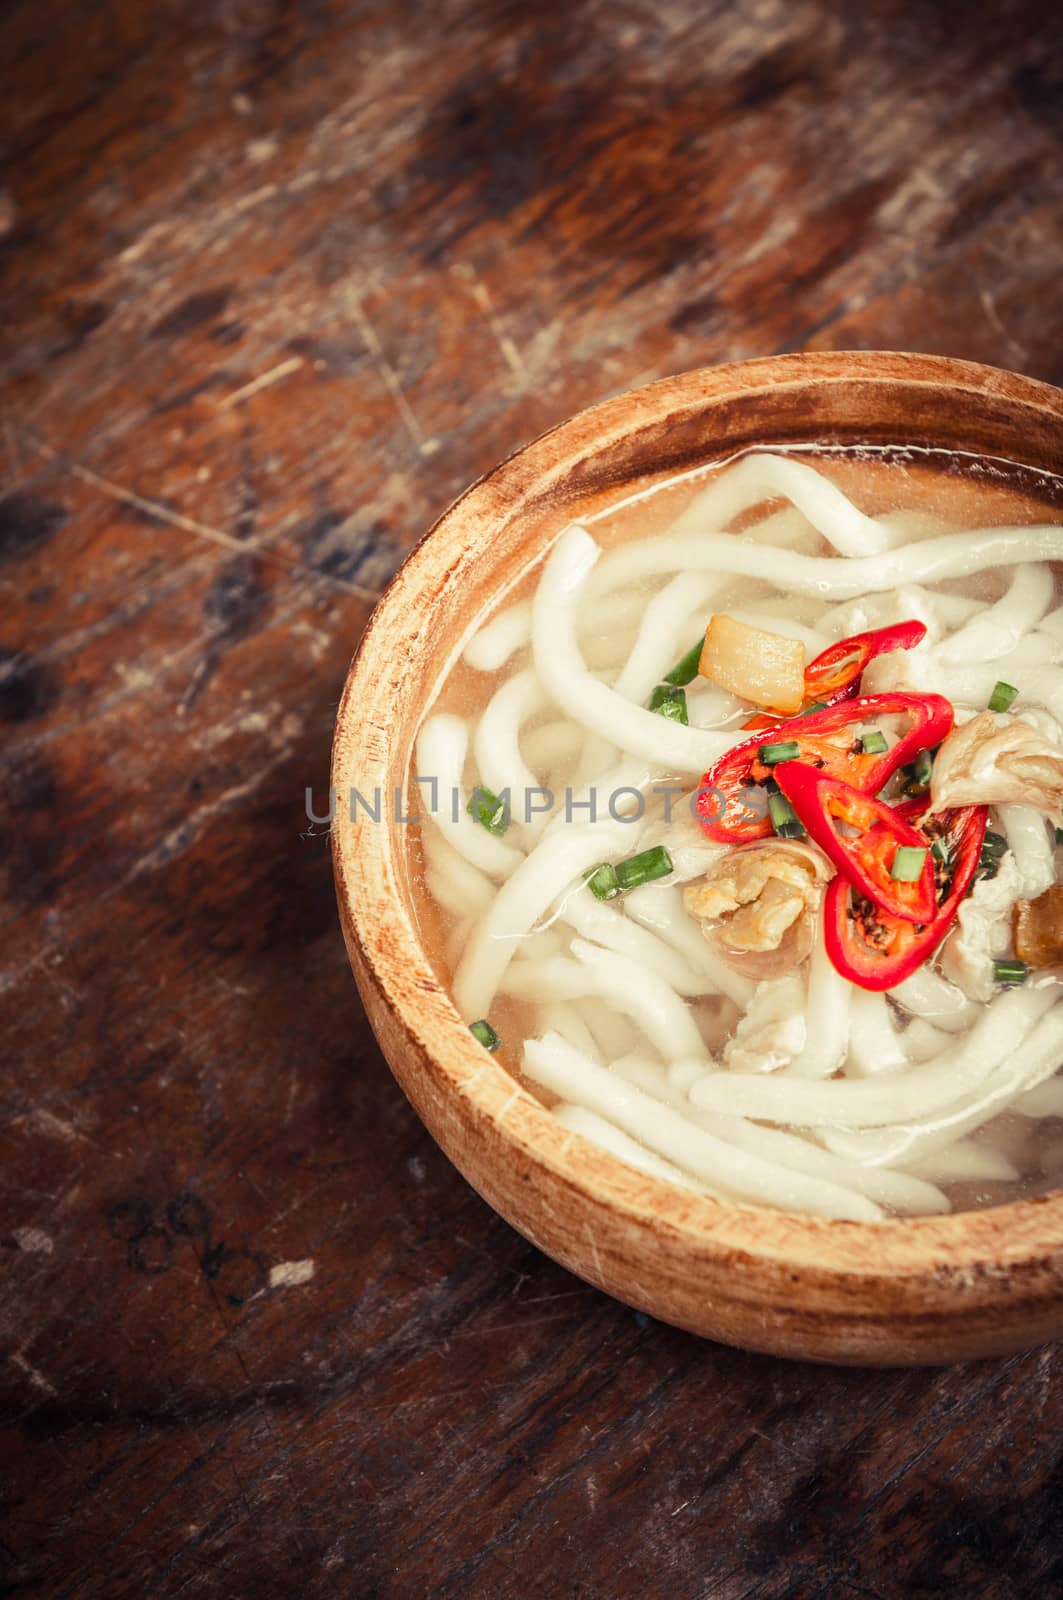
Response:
column 484, row 1034
column 686, row 669
column 994, row 846
column 908, row 864
column 819, row 705
column 668, row 701
column 784, row 818
column 939, row 850
column 644, row 868
column 772, row 754
column 1010, row 971
column 874, row 744
column 1002, row 696
column 918, row 774
column 489, row 811
column 603, row 882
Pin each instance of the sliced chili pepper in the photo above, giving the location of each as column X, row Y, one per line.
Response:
column 836, row 671
column 867, row 856
column 730, row 803
column 877, row 950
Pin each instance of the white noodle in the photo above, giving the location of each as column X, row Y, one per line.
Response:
column 556, row 862
column 469, row 890
column 973, row 684
column 965, row 1162
column 998, row 628
column 564, row 1072
column 496, row 746
column 589, row 701
column 492, row 646
column 1035, row 1059
column 644, row 997
column 760, row 477
column 611, row 928
column 442, row 745
column 926, row 994
column 827, row 1009
column 874, row 1047
column 1032, row 846
column 603, row 1133
column 895, row 1190
column 560, row 1016
column 873, row 1102
column 938, row 611
column 614, row 1034
column 954, row 555
column 659, row 906
column 662, row 637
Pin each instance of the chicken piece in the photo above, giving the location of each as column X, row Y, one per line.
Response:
column 1038, row 926
column 998, row 758
column 773, row 1031
column 982, row 931
column 751, row 898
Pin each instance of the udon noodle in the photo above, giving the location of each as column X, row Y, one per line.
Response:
column 743, row 833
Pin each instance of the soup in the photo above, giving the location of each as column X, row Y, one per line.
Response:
column 740, row 829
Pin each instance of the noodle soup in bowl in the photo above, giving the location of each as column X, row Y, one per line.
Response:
column 695, row 784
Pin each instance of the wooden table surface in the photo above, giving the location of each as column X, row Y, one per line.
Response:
column 280, row 279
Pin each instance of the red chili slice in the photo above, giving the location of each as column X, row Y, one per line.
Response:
column 877, row 950
column 866, row 858
column 836, row 671
column 730, row 802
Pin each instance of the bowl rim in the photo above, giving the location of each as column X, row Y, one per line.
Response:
column 1019, row 1233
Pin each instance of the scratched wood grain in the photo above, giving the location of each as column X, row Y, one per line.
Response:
column 278, row 280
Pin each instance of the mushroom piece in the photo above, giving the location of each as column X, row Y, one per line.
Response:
column 1038, row 926
column 998, row 758
column 759, row 899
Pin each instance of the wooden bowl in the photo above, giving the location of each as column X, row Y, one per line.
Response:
column 907, row 1292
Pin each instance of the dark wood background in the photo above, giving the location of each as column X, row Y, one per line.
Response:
column 279, row 279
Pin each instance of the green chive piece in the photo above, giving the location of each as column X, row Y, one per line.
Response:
column 489, row 811
column 917, row 774
column 874, row 744
column 993, row 844
column 784, row 818
column 939, row 850
column 669, row 701
column 1010, row 971
column 908, row 864
column 603, row 882
column 922, row 767
column 809, row 711
column 644, row 868
column 772, row 754
column 686, row 669
column 484, row 1034
column 1002, row 696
